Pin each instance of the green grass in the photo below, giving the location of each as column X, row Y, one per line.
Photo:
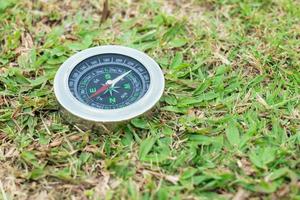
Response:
column 228, row 125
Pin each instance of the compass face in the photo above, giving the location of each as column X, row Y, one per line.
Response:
column 109, row 81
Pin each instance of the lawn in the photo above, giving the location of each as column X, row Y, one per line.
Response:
column 227, row 126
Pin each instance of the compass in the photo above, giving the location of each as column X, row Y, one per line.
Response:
column 108, row 84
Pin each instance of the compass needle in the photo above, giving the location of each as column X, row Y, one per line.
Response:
column 109, row 84
column 116, row 80
column 100, row 90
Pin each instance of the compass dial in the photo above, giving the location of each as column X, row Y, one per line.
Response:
column 109, row 81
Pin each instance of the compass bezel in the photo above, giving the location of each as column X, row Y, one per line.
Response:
column 81, row 110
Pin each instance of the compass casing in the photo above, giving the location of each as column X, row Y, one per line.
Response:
column 84, row 113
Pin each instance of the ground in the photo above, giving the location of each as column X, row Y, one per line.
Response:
column 227, row 126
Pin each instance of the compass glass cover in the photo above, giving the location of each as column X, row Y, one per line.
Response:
column 109, row 81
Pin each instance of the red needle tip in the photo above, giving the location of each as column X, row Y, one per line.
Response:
column 100, row 90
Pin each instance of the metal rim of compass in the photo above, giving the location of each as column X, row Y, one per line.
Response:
column 83, row 111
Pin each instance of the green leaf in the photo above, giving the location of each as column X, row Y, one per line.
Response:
column 37, row 173
column 181, row 66
column 38, row 81
column 171, row 100
column 244, row 139
column 266, row 187
column 6, row 4
column 44, row 139
column 222, row 70
column 172, row 32
column 84, row 157
column 262, row 156
column 255, row 159
column 177, row 42
column 133, row 190
column 167, row 131
column 56, row 60
column 127, row 139
column 85, row 43
column 190, row 101
column 174, row 109
column 5, row 115
column 64, row 174
column 30, row 158
column 202, row 87
column 140, row 123
column 188, row 173
column 232, row 134
column 146, row 147
column 145, row 45
column 201, row 139
column 268, row 154
column 162, row 194
column 278, row 173
column 177, row 60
